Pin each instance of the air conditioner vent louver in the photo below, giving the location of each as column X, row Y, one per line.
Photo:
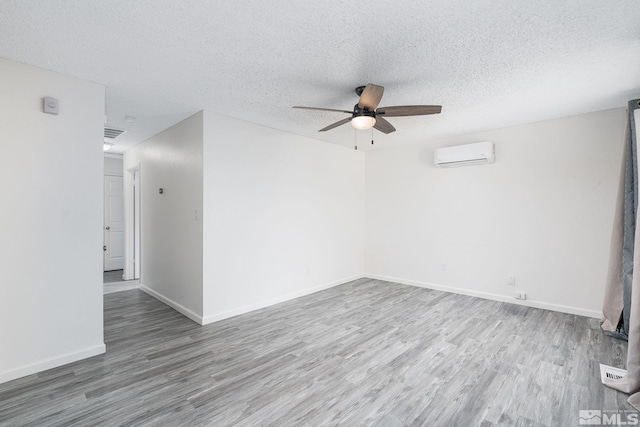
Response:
column 113, row 133
column 463, row 155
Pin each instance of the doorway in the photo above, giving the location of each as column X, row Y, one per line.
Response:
column 121, row 195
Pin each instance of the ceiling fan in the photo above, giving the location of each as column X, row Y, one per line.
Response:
column 366, row 113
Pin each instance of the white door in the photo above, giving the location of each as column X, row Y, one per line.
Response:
column 113, row 223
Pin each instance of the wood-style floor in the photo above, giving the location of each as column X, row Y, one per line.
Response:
column 364, row 353
column 112, row 282
column 112, row 276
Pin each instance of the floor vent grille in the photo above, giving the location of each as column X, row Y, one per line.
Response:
column 609, row 372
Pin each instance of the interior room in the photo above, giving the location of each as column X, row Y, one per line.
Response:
column 249, row 213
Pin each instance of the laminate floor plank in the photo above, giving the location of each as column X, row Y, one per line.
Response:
column 367, row 352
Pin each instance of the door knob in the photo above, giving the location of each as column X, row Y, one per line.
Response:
column 108, row 228
column 104, row 248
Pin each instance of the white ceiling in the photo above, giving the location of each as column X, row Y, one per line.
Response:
column 489, row 63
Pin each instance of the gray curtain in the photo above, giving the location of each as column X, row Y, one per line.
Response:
column 621, row 307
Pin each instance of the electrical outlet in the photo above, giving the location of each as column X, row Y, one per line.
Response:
column 511, row 281
column 520, row 295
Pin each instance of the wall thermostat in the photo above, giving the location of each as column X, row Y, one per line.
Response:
column 50, row 105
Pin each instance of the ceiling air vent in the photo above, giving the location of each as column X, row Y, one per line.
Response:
column 113, row 133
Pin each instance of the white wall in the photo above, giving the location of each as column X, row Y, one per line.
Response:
column 284, row 216
column 171, row 223
column 636, row 117
column 51, row 236
column 542, row 213
column 113, row 165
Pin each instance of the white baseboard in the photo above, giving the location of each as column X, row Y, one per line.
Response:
column 171, row 303
column 112, row 287
column 272, row 301
column 495, row 297
column 50, row 363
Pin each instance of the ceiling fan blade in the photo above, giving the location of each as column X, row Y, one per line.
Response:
column 383, row 126
column 409, row 110
column 324, row 109
column 371, row 96
column 336, row 124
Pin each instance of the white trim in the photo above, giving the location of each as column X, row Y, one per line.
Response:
column 171, row 303
column 131, row 219
column 495, row 297
column 272, row 301
column 113, row 155
column 50, row 363
column 125, row 285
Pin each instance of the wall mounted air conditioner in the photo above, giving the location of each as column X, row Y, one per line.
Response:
column 463, row 155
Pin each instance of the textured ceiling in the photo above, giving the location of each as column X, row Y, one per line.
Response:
column 489, row 63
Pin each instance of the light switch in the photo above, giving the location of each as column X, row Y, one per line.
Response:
column 50, row 105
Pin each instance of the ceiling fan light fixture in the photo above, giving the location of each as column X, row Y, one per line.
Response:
column 365, row 111
column 363, row 122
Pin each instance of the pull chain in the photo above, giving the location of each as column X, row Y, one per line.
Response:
column 371, row 136
column 355, row 139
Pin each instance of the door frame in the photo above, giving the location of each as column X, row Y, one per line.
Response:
column 132, row 223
